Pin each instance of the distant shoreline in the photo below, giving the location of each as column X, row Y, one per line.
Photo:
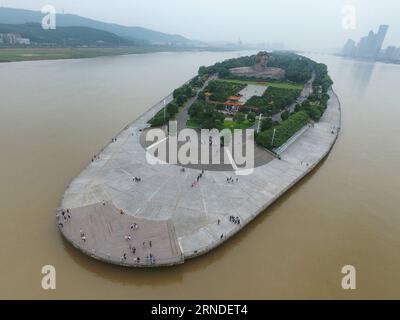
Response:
column 397, row 62
column 40, row 54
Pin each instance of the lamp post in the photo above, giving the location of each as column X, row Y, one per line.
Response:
column 164, row 109
column 273, row 138
column 259, row 123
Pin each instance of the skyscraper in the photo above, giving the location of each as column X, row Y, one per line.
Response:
column 380, row 38
column 349, row 48
column 369, row 47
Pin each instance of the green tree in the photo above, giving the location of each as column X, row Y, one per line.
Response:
column 203, row 71
column 285, row 115
column 251, row 116
column 266, row 124
column 172, row 108
column 211, row 119
column 159, row 119
column 239, row 117
column 180, row 100
column 283, row 131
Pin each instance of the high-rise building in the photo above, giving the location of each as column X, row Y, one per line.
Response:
column 369, row 47
column 349, row 48
column 380, row 38
column 391, row 54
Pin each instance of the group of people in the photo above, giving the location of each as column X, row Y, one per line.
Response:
column 137, row 179
column 231, row 180
column 65, row 214
column 128, row 237
column 83, row 235
column 134, row 226
column 136, row 260
column 96, row 157
column 150, row 259
column 198, row 178
column 234, row 219
column 132, row 249
column 306, row 163
column 147, row 243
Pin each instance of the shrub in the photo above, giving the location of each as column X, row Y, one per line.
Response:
column 266, row 124
column 158, row 119
column 274, row 100
column 285, row 115
column 239, row 117
column 251, row 116
column 185, row 90
column 180, row 100
column 221, row 90
column 206, row 115
column 283, row 131
column 172, row 108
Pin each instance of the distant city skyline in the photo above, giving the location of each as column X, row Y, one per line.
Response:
column 312, row 25
column 371, row 47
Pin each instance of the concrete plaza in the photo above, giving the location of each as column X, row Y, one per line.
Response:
column 182, row 221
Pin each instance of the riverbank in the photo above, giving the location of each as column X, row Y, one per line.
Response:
column 37, row 54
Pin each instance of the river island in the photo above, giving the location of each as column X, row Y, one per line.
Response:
column 126, row 210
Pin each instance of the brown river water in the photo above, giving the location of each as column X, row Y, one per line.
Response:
column 54, row 115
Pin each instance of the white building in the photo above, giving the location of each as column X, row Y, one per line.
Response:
column 13, row 38
column 23, row 41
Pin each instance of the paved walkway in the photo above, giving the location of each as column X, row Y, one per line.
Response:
column 183, row 116
column 200, row 216
column 103, row 232
column 251, row 90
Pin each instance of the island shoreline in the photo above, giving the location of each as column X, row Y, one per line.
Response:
column 204, row 250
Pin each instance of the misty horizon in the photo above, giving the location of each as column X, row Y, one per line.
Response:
column 309, row 25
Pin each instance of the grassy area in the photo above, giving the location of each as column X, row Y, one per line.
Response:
column 22, row 54
column 192, row 124
column 230, row 124
column 281, row 85
column 32, row 54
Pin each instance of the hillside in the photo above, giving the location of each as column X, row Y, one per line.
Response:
column 20, row 16
column 65, row 36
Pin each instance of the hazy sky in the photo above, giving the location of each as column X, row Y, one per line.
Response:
column 299, row 24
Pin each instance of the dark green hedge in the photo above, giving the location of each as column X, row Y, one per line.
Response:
column 284, row 130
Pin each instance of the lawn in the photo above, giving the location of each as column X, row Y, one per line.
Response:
column 229, row 124
column 281, row 85
column 29, row 54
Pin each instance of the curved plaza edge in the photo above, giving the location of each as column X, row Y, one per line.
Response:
column 162, row 217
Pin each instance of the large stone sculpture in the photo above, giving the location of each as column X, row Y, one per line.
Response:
column 260, row 69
